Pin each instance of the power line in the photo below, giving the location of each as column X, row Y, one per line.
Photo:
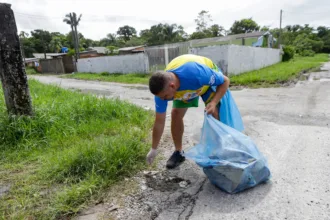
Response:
column 35, row 16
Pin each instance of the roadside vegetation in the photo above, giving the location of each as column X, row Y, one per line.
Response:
column 30, row 71
column 74, row 147
column 280, row 73
column 274, row 75
column 132, row 78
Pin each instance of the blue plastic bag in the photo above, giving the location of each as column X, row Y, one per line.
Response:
column 229, row 113
column 229, row 158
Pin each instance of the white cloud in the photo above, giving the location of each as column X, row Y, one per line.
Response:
column 101, row 17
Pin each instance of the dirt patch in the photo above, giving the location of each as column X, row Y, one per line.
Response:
column 4, row 189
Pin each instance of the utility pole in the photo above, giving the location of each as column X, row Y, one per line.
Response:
column 12, row 70
column 280, row 35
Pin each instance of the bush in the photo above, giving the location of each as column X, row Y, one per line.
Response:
column 289, row 52
column 307, row 53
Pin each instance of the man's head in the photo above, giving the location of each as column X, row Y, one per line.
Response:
column 162, row 84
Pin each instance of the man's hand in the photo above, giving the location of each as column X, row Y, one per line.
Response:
column 211, row 108
column 151, row 156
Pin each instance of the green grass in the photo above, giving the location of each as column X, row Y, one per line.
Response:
column 133, row 78
column 30, row 71
column 68, row 153
column 279, row 73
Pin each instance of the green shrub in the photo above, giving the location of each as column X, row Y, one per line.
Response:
column 289, row 52
column 307, row 53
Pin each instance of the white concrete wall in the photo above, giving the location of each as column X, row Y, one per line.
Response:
column 235, row 59
column 243, row 58
column 135, row 63
column 218, row 54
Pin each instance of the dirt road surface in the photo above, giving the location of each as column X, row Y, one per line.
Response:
column 291, row 127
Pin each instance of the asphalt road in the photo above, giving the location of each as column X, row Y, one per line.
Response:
column 291, row 127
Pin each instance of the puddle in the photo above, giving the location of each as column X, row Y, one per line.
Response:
column 163, row 181
column 4, row 189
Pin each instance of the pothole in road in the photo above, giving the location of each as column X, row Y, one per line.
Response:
column 163, row 181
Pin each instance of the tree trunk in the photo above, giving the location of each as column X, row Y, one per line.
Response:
column 77, row 39
column 74, row 42
column 12, row 70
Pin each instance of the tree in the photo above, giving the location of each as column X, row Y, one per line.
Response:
column 306, row 46
column 69, row 39
column 12, row 72
column 203, row 20
column 72, row 20
column 135, row 41
column 322, row 31
column 112, row 38
column 198, row 35
column 56, row 44
column 163, row 33
column 217, row 30
column 244, row 26
column 265, row 28
column 28, row 47
column 324, row 34
column 112, row 49
column 86, row 43
column 126, row 32
column 41, row 40
column 23, row 34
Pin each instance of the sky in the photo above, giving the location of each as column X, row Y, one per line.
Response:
column 100, row 17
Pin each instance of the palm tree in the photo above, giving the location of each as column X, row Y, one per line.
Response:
column 71, row 19
column 170, row 32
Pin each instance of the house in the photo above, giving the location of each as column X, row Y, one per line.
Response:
column 31, row 62
column 270, row 40
column 99, row 50
column 48, row 55
column 131, row 50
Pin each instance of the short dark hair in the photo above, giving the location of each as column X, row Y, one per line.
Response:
column 158, row 82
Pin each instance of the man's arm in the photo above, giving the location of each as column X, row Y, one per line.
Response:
column 158, row 129
column 220, row 92
column 157, row 132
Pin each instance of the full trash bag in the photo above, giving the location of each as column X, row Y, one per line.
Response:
column 229, row 113
column 229, row 158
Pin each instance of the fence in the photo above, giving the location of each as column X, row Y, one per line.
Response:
column 135, row 63
column 232, row 59
column 235, row 59
column 160, row 56
column 52, row 65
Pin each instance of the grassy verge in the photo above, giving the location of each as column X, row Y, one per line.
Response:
column 279, row 73
column 30, row 71
column 133, row 78
column 267, row 77
column 55, row 163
